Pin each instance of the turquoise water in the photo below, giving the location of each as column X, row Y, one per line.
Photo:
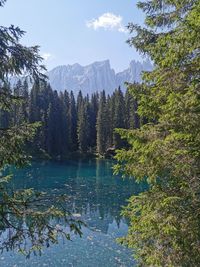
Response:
column 97, row 196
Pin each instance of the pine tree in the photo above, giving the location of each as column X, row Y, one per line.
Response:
column 164, row 221
column 25, row 102
column 83, row 129
column 128, row 106
column 6, row 114
column 79, row 101
column 46, row 97
column 118, row 117
column 54, row 119
column 65, row 123
column 110, row 115
column 73, row 141
column 132, row 119
column 41, row 96
column 16, row 106
column 102, row 125
column 17, row 60
column 93, row 110
column 34, row 105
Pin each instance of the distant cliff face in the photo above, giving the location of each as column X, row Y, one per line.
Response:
column 95, row 77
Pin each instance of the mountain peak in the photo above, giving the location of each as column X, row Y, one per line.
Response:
column 95, row 77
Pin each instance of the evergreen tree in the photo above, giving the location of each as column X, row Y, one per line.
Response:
column 132, row 119
column 83, row 129
column 54, row 122
column 164, row 221
column 46, row 97
column 16, row 106
column 17, row 60
column 102, row 125
column 128, row 105
column 65, row 123
column 40, row 98
column 34, row 105
column 118, row 117
column 93, row 110
column 110, row 115
column 25, row 102
column 79, row 101
column 73, row 141
column 6, row 115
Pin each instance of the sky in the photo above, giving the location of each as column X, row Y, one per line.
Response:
column 76, row 31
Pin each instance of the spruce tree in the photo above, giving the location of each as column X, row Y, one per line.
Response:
column 83, row 129
column 34, row 104
column 73, row 139
column 102, row 125
column 25, row 102
column 93, row 110
column 118, row 117
column 79, row 101
column 132, row 119
column 65, row 122
column 54, row 126
column 16, row 59
column 164, row 220
column 19, row 60
column 16, row 106
column 128, row 105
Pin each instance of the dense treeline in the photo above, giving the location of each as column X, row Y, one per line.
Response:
column 68, row 124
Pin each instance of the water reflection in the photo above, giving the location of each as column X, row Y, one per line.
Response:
column 93, row 191
column 94, row 196
column 30, row 221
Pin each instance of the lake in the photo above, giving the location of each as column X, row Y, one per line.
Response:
column 97, row 196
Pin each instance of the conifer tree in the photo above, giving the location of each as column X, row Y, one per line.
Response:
column 128, row 105
column 54, row 124
column 83, row 129
column 34, row 105
column 102, row 125
column 25, row 102
column 73, row 141
column 19, row 60
column 111, row 112
column 93, row 110
column 79, row 101
column 65, row 131
column 164, row 221
column 118, row 116
column 132, row 119
column 16, row 106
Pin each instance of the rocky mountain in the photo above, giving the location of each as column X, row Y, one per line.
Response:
column 97, row 76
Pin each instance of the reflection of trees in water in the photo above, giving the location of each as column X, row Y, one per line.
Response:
column 29, row 221
column 92, row 189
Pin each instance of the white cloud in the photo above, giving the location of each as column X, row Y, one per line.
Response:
column 47, row 56
column 107, row 21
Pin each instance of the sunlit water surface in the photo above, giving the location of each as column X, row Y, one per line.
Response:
column 97, row 196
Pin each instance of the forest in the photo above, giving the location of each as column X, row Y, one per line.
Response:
column 84, row 125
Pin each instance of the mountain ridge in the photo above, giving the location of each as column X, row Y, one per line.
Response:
column 93, row 77
column 96, row 76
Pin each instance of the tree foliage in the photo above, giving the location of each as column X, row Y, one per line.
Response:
column 24, row 214
column 164, row 221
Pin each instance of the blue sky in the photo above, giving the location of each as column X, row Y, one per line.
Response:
column 71, row 31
